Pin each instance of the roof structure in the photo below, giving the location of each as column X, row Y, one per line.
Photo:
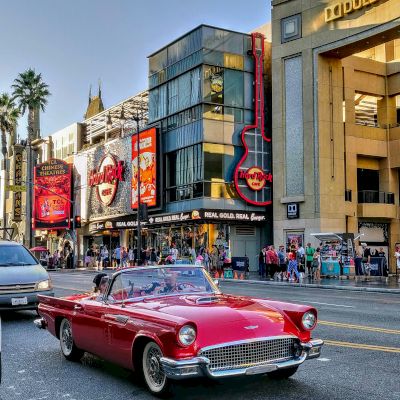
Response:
column 121, row 116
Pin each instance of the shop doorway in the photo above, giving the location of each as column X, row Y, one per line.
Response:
column 245, row 242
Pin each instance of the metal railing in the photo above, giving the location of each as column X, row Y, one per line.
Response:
column 374, row 196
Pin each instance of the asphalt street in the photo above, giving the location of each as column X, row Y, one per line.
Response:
column 361, row 358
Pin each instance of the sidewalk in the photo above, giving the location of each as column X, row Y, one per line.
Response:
column 360, row 283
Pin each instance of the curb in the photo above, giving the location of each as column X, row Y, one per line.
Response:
column 314, row 286
column 75, row 270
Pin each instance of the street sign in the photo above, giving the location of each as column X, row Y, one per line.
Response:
column 16, row 188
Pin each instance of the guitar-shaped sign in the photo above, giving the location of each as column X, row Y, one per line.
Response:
column 253, row 177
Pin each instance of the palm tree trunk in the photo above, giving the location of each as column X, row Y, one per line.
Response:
column 4, row 146
column 29, row 177
column 4, row 152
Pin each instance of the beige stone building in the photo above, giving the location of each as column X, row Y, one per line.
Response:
column 336, row 119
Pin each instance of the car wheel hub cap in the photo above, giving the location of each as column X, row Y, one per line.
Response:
column 154, row 368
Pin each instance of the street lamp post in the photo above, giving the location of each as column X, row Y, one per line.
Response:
column 139, row 233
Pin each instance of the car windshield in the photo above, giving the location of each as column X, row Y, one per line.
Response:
column 161, row 281
column 12, row 255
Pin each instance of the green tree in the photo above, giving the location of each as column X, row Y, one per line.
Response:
column 31, row 94
column 9, row 115
column 8, row 121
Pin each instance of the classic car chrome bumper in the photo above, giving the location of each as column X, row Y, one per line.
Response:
column 199, row 366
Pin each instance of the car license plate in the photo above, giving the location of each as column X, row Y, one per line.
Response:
column 261, row 369
column 19, row 301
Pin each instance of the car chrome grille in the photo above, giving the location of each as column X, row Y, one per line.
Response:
column 249, row 353
column 17, row 288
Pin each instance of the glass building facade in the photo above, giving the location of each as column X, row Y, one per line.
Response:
column 201, row 90
column 201, row 94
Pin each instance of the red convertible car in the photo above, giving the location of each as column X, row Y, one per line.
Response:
column 172, row 322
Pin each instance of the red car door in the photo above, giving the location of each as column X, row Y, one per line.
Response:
column 120, row 334
column 90, row 328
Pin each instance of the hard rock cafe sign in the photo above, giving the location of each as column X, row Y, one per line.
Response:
column 252, row 176
column 106, row 178
column 255, row 177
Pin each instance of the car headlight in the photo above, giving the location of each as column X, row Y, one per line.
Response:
column 309, row 320
column 43, row 285
column 187, row 335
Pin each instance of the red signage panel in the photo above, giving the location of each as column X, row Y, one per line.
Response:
column 52, row 195
column 147, row 170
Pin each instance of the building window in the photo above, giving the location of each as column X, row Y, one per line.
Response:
column 291, row 28
column 366, row 109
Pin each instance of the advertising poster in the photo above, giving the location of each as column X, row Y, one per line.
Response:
column 52, row 195
column 148, row 168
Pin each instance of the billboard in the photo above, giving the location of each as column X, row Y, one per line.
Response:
column 147, row 169
column 52, row 195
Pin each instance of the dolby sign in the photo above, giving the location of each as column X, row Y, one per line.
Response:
column 343, row 8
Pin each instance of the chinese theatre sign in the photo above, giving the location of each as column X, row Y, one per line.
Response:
column 147, row 168
column 52, row 195
column 17, row 203
column 106, row 177
column 252, row 176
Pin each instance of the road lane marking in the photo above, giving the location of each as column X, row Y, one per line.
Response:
column 324, row 304
column 362, row 346
column 360, row 327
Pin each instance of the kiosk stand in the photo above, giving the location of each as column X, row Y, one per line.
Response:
column 337, row 253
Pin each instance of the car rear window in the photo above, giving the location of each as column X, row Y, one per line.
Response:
column 11, row 255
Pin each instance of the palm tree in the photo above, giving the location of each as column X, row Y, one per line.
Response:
column 9, row 115
column 8, row 122
column 31, row 93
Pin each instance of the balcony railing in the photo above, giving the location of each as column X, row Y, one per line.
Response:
column 373, row 196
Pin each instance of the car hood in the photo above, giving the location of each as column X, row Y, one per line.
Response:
column 22, row 274
column 225, row 318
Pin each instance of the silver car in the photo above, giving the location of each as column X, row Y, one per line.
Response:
column 22, row 278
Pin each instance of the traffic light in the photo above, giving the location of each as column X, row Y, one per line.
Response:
column 77, row 221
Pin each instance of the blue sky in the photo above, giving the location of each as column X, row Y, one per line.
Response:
column 75, row 43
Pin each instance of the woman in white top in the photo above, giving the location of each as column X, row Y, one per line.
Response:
column 397, row 255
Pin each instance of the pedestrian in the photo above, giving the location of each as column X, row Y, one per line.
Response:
column 174, row 253
column 316, row 265
column 214, row 257
column 261, row 263
column 131, row 257
column 55, row 259
column 358, row 264
column 310, row 251
column 293, row 266
column 117, row 255
column 282, row 262
column 104, row 257
column 366, row 258
column 153, row 256
column 397, row 255
column 272, row 261
column 206, row 255
column 88, row 257
column 301, row 258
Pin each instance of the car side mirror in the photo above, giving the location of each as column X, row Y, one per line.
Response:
column 216, row 282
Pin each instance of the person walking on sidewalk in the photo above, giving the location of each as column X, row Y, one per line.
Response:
column 273, row 261
column 310, row 251
column 261, row 263
column 316, row 265
column 292, row 267
column 282, row 262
